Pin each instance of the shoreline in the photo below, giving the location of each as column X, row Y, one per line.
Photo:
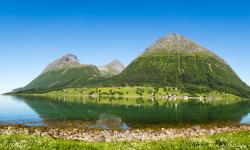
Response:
column 96, row 135
column 149, row 92
column 174, row 98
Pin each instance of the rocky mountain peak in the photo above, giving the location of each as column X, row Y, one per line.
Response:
column 70, row 58
column 175, row 42
column 65, row 61
column 116, row 66
column 116, row 62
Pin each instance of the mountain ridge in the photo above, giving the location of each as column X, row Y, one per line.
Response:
column 65, row 61
column 70, row 60
column 174, row 41
column 178, row 43
column 67, row 72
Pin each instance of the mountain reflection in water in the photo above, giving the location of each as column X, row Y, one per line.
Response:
column 111, row 113
column 246, row 119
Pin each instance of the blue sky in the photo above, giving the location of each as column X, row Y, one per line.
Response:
column 35, row 32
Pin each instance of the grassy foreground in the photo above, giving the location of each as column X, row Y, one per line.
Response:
column 237, row 140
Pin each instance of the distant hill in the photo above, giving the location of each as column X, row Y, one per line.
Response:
column 113, row 68
column 176, row 61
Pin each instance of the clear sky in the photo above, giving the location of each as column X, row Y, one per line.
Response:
column 35, row 32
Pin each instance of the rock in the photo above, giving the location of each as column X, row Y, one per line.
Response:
column 107, row 139
column 66, row 60
column 196, row 128
column 175, row 41
column 117, row 135
column 10, row 128
column 45, row 134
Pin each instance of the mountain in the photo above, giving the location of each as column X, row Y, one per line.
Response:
column 67, row 72
column 62, row 73
column 176, row 61
column 113, row 68
column 66, row 61
column 172, row 61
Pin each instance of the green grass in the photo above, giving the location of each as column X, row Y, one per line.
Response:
column 137, row 91
column 237, row 140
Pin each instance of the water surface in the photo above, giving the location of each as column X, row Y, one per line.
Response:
column 111, row 113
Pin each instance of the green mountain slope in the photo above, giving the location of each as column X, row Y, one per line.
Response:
column 67, row 72
column 76, row 76
column 63, row 73
column 178, row 62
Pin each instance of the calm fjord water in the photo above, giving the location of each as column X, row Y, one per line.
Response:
column 106, row 113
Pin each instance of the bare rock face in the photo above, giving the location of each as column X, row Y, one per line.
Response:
column 65, row 61
column 176, row 42
column 115, row 67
